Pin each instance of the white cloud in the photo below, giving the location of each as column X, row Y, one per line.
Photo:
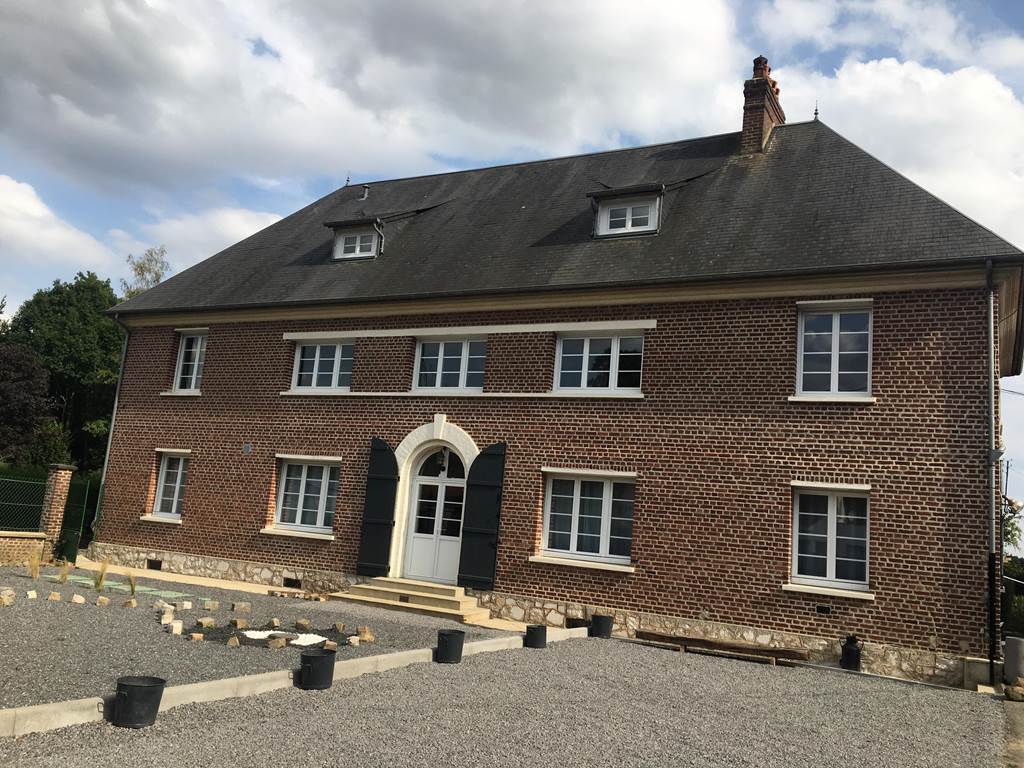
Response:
column 192, row 237
column 170, row 93
column 31, row 233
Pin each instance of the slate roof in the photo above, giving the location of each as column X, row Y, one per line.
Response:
column 812, row 202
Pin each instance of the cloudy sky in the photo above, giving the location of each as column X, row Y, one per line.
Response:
column 193, row 124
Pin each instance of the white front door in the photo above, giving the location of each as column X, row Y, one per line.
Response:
column 435, row 518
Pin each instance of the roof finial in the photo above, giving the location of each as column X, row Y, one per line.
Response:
column 348, row 178
column 815, row 109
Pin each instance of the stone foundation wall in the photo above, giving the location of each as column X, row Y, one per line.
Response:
column 219, row 568
column 16, row 548
column 876, row 658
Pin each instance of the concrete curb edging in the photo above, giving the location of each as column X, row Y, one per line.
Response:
column 19, row 721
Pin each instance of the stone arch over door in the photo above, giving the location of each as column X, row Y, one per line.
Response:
column 414, row 446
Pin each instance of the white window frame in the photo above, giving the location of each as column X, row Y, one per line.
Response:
column 835, row 309
column 339, row 243
column 613, row 372
column 605, row 207
column 829, row 580
column 606, row 516
column 306, row 463
column 198, row 368
column 463, row 364
column 314, row 387
column 161, row 474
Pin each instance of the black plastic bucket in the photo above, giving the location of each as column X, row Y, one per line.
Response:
column 137, row 701
column 316, row 672
column 449, row 646
column 600, row 626
column 536, row 636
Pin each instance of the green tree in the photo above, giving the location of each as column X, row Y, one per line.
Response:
column 50, row 444
column 24, row 386
column 67, row 326
column 147, row 270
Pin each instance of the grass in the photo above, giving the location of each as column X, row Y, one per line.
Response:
column 65, row 570
column 132, row 581
column 100, row 576
column 33, row 564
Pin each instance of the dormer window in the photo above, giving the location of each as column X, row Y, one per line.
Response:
column 357, row 238
column 627, row 211
column 348, row 245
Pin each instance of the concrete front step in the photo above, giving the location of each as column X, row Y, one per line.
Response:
column 467, row 617
column 412, row 585
column 414, row 597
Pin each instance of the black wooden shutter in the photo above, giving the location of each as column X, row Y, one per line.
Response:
column 378, row 511
column 480, row 519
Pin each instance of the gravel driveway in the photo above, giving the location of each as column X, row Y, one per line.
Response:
column 579, row 703
column 54, row 651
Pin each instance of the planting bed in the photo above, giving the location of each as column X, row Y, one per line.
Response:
column 54, row 651
column 579, row 702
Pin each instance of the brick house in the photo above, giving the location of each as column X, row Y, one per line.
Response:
column 741, row 386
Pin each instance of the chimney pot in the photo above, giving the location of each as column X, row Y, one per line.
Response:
column 761, row 108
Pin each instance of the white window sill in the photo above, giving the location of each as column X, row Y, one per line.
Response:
column 315, row 391
column 858, row 399
column 22, row 535
column 563, row 394
column 277, row 531
column 574, row 563
column 161, row 519
column 181, row 393
column 807, row 589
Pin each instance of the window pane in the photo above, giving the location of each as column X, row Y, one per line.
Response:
column 562, row 487
column 599, row 362
column 617, row 218
column 853, row 342
column 817, row 382
column 182, row 482
column 818, row 323
column 588, row 544
column 622, row 529
column 619, row 547
column 623, row 492
column 818, row 342
column 853, row 321
column 813, row 504
column 813, row 524
column 817, row 363
column 345, row 366
column 851, row 570
column 641, row 215
column 853, row 382
column 475, row 364
column 630, row 361
column 813, row 545
column 197, row 377
column 455, row 468
column 429, row 353
column 558, row 541
column 853, row 362
column 451, row 363
column 332, row 497
column 852, row 549
column 325, row 365
column 433, row 466
column 307, row 364
column 365, row 243
column 853, row 506
column 811, row 566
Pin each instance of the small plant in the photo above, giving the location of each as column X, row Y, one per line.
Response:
column 100, row 576
column 62, row 574
column 33, row 564
column 132, row 581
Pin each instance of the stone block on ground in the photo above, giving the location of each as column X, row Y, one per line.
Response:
column 175, row 627
column 330, row 645
column 167, row 617
column 131, row 603
column 303, row 625
column 102, row 600
column 366, row 635
column 185, row 605
column 275, row 623
column 277, row 643
column 233, row 642
column 206, row 622
column 160, row 605
column 353, row 640
column 211, row 605
column 241, row 607
column 196, row 637
column 1014, row 693
column 1019, row 682
column 55, row 596
column 78, row 600
column 6, row 598
column 239, row 623
column 31, row 594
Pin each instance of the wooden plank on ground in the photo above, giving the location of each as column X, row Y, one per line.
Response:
column 700, row 642
column 754, row 657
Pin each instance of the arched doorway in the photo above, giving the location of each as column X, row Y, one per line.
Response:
column 434, row 537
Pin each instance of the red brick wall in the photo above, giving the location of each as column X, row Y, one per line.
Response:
column 520, row 362
column 714, row 443
column 387, row 364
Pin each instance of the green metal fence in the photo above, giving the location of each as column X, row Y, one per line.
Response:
column 75, row 510
column 21, row 503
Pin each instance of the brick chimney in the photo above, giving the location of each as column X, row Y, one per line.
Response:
column 761, row 108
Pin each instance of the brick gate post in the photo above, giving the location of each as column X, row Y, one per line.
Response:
column 58, row 481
